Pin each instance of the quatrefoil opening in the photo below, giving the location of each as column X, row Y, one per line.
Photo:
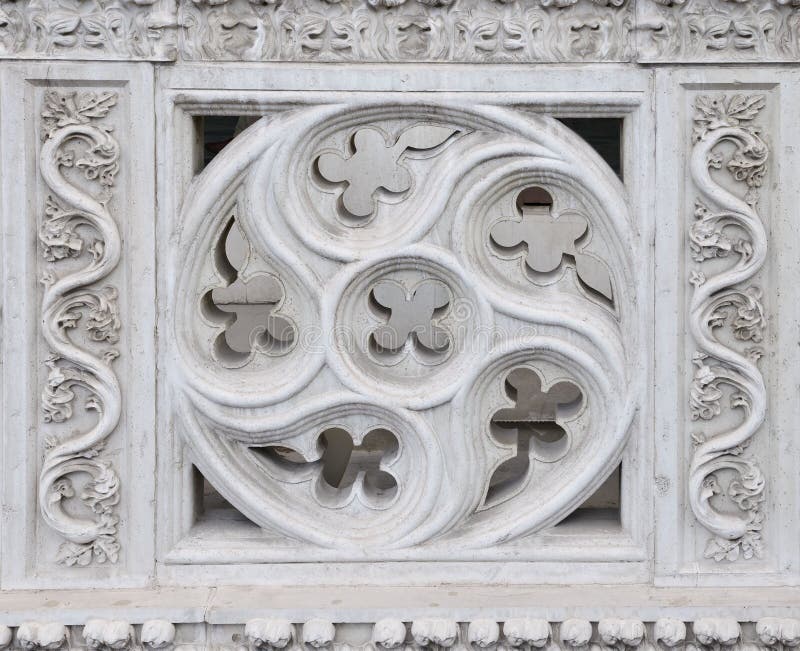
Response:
column 248, row 305
column 410, row 316
column 534, row 426
column 549, row 239
column 342, row 466
column 375, row 164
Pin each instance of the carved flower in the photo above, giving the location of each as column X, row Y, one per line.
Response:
column 158, row 633
column 671, row 632
column 773, row 631
column 576, row 632
column 629, row 632
column 483, row 633
column 389, row 633
column 709, row 631
column 441, row 632
column 118, row 634
column 318, row 633
column 269, row 633
column 33, row 635
column 94, row 633
column 533, row 632
column 6, row 636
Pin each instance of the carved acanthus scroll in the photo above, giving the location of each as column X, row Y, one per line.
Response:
column 81, row 357
column 727, row 223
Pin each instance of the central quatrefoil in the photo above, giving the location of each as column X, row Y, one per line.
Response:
column 411, row 315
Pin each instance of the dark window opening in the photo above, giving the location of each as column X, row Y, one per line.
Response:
column 604, row 135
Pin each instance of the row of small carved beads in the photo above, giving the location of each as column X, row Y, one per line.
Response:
column 275, row 634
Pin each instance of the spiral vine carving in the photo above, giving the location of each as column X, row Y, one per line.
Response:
column 80, row 363
column 727, row 223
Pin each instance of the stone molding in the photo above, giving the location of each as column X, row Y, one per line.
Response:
column 481, row 31
column 575, row 634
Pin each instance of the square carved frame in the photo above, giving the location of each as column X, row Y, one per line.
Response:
column 187, row 91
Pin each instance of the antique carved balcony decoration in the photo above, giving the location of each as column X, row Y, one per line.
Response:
column 414, row 325
column 458, row 366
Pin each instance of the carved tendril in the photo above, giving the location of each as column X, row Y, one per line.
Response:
column 716, row 298
column 67, row 300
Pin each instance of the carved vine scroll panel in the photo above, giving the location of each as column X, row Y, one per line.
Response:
column 79, row 358
column 731, row 288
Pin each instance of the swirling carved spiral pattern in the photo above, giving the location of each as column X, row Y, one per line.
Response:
column 437, row 407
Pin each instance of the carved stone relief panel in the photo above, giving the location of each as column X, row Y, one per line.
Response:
column 735, row 334
column 404, row 328
column 74, row 300
column 75, row 275
column 493, row 31
column 729, row 246
column 408, row 324
column 718, row 31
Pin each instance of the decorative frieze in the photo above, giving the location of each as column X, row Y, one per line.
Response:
column 88, row 29
column 718, row 31
column 490, row 31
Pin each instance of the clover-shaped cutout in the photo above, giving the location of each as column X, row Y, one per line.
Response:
column 248, row 306
column 534, row 425
column 343, row 466
column 411, row 315
column 549, row 239
column 376, row 164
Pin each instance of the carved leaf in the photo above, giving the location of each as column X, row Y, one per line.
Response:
column 423, row 137
column 745, row 107
column 71, row 554
column 594, row 273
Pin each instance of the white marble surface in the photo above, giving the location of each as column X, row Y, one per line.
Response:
column 378, row 202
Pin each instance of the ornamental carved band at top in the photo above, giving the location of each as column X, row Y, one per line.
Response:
column 81, row 246
column 493, row 31
column 727, row 322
